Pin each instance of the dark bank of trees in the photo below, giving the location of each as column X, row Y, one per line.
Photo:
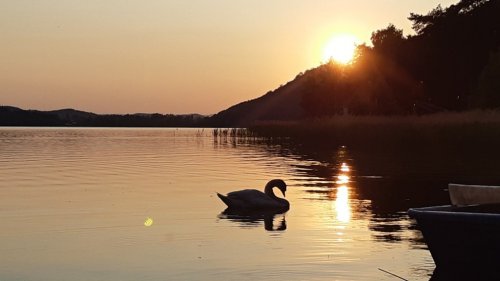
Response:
column 147, row 120
column 451, row 63
column 13, row 116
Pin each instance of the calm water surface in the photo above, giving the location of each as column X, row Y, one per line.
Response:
column 140, row 204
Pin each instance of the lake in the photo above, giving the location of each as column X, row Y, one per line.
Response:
column 140, row 204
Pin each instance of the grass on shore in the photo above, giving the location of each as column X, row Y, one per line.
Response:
column 467, row 129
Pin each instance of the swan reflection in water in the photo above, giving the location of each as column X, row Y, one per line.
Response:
column 274, row 220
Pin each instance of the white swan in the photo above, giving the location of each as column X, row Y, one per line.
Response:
column 253, row 199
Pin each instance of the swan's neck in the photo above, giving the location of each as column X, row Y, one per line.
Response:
column 269, row 191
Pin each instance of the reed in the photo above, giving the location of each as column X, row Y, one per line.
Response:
column 225, row 133
column 467, row 129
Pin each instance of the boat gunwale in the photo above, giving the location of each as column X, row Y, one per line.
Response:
column 447, row 213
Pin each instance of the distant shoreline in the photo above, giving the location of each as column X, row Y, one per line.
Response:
column 13, row 116
column 16, row 117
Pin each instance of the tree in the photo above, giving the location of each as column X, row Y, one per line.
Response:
column 451, row 49
column 323, row 91
column 372, row 84
column 423, row 23
column 487, row 93
column 442, row 67
column 388, row 41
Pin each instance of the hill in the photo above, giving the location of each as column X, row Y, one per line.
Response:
column 280, row 104
column 13, row 116
column 72, row 117
column 452, row 63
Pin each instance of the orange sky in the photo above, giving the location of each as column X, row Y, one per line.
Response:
column 166, row 56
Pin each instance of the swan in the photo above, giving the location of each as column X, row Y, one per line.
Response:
column 253, row 199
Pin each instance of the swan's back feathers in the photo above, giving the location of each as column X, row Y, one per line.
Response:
column 247, row 194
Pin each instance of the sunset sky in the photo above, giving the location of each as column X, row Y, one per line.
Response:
column 127, row 56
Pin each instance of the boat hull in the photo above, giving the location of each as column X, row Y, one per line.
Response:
column 461, row 237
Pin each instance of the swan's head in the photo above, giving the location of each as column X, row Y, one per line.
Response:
column 280, row 184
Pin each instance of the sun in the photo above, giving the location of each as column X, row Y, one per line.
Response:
column 340, row 48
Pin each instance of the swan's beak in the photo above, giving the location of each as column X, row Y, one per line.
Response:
column 283, row 191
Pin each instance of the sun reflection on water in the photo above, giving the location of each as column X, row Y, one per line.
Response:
column 342, row 179
column 341, row 203
column 344, row 168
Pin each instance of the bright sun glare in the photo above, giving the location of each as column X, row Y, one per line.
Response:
column 340, row 48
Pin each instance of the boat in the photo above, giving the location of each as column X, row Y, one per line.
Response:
column 464, row 235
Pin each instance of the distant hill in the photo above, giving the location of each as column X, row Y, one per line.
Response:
column 281, row 104
column 73, row 116
column 13, row 116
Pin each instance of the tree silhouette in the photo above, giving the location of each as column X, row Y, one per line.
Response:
column 373, row 84
column 487, row 93
column 388, row 41
column 453, row 46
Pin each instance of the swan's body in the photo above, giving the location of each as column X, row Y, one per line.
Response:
column 253, row 199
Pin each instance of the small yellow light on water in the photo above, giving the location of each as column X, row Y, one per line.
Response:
column 148, row 222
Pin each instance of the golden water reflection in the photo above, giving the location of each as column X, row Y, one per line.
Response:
column 342, row 204
column 108, row 195
column 344, row 168
column 342, row 179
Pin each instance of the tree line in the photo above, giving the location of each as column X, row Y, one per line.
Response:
column 13, row 116
column 452, row 62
